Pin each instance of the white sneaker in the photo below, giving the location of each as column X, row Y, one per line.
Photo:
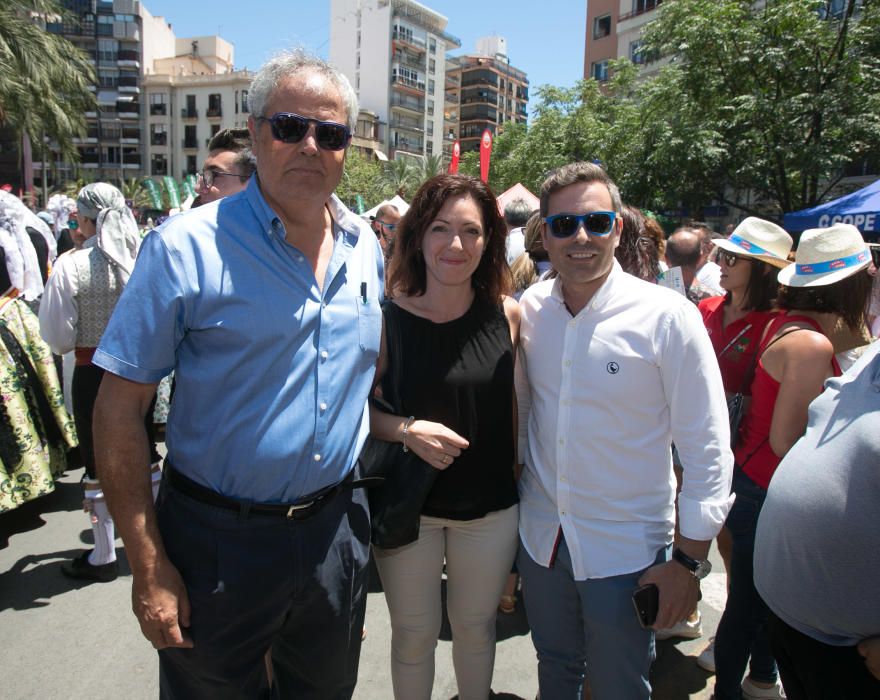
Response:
column 684, row 629
column 753, row 692
column 706, row 659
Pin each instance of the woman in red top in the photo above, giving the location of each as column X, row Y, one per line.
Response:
column 750, row 260
column 824, row 296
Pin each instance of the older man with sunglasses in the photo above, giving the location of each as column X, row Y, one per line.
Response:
column 612, row 370
column 266, row 305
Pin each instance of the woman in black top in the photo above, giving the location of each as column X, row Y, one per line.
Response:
column 455, row 356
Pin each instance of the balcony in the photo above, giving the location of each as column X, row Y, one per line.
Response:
column 128, row 84
column 130, row 135
column 408, row 84
column 159, row 139
column 189, row 143
column 187, row 113
column 159, row 168
column 411, row 105
column 128, row 59
column 157, row 110
column 131, row 160
column 416, row 43
column 214, row 112
column 128, row 110
column 451, row 98
column 409, row 61
column 406, row 146
column 407, row 125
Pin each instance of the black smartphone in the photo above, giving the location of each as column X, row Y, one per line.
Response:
column 646, row 600
column 875, row 253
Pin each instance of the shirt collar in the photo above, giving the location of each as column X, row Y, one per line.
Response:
column 90, row 242
column 270, row 223
column 602, row 294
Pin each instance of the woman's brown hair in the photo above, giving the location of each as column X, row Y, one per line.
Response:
column 407, row 274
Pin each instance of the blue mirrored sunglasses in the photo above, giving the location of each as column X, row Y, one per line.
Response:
column 595, row 223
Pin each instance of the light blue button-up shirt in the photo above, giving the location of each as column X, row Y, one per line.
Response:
column 272, row 372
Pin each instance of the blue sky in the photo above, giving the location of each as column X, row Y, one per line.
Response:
column 544, row 39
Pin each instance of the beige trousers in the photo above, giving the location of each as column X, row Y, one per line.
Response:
column 478, row 555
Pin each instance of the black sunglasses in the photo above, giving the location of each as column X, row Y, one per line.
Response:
column 292, row 128
column 728, row 258
column 208, row 175
column 596, row 223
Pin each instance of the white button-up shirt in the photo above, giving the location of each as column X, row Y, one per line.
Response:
column 602, row 395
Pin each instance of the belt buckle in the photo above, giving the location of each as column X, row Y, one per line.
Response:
column 302, row 506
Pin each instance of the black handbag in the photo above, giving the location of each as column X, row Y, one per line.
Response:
column 396, row 502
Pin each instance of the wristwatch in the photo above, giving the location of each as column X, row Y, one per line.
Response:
column 700, row 568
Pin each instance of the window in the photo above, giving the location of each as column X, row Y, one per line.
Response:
column 639, row 55
column 430, row 147
column 157, row 103
column 159, row 164
column 158, row 134
column 235, row 101
column 214, row 129
column 191, row 166
column 430, row 87
column 640, row 6
column 601, row 26
column 359, row 38
column 432, row 45
column 189, row 136
column 214, row 105
column 244, row 101
column 432, row 66
column 430, row 108
column 599, row 71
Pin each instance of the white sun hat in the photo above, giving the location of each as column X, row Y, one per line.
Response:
column 825, row 256
column 759, row 239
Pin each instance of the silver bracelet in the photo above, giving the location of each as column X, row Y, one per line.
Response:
column 409, row 422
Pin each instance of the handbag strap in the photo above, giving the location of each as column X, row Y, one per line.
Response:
column 393, row 355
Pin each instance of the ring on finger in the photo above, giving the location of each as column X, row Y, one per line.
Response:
column 445, row 459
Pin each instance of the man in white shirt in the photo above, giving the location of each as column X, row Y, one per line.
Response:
column 612, row 370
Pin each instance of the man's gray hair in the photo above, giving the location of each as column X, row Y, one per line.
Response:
column 287, row 64
column 517, row 213
column 578, row 172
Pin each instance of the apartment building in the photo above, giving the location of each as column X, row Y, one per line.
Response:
column 191, row 91
column 487, row 91
column 110, row 31
column 613, row 30
column 394, row 54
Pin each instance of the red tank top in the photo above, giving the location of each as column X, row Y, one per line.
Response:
column 753, row 452
column 735, row 345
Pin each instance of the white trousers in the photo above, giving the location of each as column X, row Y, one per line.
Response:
column 478, row 555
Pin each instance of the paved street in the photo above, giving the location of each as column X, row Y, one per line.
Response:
column 63, row 639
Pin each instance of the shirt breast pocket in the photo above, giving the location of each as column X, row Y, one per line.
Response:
column 369, row 327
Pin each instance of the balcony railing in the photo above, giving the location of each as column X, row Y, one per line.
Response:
column 408, row 82
column 190, row 143
column 159, row 168
column 214, row 112
column 639, row 8
column 158, row 109
column 187, row 113
column 414, row 105
column 158, row 139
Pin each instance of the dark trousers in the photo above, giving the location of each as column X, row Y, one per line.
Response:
column 743, row 626
column 84, row 391
column 261, row 583
column 811, row 670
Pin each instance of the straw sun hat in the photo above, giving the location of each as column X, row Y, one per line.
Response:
column 758, row 239
column 825, row 256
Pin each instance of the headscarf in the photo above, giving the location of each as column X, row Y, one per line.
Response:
column 117, row 231
column 60, row 206
column 21, row 256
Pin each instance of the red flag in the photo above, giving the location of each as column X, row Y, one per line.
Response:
column 485, row 154
column 456, row 152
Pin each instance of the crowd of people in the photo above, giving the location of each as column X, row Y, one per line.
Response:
column 534, row 400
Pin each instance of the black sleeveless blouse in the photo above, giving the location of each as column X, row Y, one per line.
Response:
column 460, row 374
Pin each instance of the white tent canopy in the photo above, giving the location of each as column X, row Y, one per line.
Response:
column 396, row 200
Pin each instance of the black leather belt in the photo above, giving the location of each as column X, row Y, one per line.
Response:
column 292, row 511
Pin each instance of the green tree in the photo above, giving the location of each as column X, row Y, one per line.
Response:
column 44, row 78
column 365, row 177
column 401, row 175
column 770, row 101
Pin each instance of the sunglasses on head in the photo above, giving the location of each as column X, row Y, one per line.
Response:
column 292, row 128
column 595, row 223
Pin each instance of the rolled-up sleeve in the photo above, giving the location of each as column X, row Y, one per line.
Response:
column 149, row 321
column 699, row 422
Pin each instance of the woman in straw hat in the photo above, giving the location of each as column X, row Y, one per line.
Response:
column 824, row 298
column 749, row 259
